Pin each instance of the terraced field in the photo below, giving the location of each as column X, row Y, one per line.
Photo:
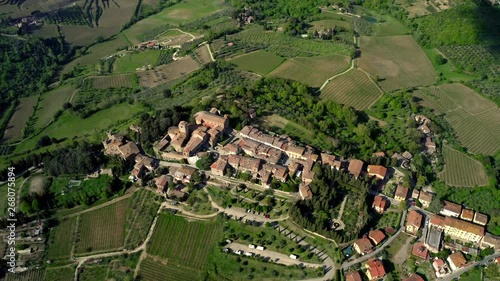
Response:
column 312, row 71
column 354, row 89
column 461, row 170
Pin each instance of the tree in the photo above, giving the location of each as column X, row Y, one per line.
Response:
column 439, row 59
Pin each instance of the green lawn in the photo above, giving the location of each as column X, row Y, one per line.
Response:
column 448, row 70
column 260, row 62
column 131, row 62
column 473, row 275
column 50, row 103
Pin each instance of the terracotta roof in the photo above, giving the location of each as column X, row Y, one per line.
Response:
column 425, row 197
column 376, row 268
column 327, row 159
column 186, row 170
column 467, row 215
column 419, row 250
column 491, row 239
column 480, row 218
column 414, row 218
column 377, row 170
column 128, row 149
column 363, row 244
column 458, row 259
column 379, row 202
column 402, row 192
column 295, row 149
column 305, row 192
column 161, row 181
column 452, row 207
column 353, row 276
column 458, row 224
column 379, row 154
column 355, row 167
column 376, row 236
column 205, row 116
column 414, row 277
column 230, row 148
column 220, row 164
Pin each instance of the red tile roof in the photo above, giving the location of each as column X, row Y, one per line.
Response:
column 402, row 192
column 353, row 276
column 364, row 245
column 376, row 268
column 467, row 215
column 414, row 218
column 452, row 207
column 355, row 167
column 379, row 202
column 377, row 170
column 419, row 250
column 376, row 236
column 414, row 277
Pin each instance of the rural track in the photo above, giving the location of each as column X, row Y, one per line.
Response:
column 353, row 61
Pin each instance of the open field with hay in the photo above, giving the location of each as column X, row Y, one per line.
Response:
column 50, row 103
column 312, row 71
column 260, row 62
column 354, row 89
column 398, row 62
column 461, row 170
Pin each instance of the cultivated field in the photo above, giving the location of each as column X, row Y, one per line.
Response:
column 29, row 275
column 397, row 60
column 184, row 243
column 50, row 103
column 462, row 170
column 167, row 72
column 116, row 81
column 202, row 55
column 136, row 61
column 354, row 89
column 475, row 120
column 158, row 270
column 260, row 62
column 312, row 71
column 17, row 123
column 60, row 274
column 102, row 229
column 61, row 239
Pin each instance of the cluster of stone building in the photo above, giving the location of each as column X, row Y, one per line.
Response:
column 373, row 269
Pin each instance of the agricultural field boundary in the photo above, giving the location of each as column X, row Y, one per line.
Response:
column 336, row 75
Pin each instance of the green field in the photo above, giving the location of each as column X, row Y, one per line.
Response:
column 140, row 215
column 398, row 62
column 102, row 229
column 50, row 103
column 184, row 243
column 151, row 270
column 17, row 123
column 448, row 70
column 462, row 170
column 312, row 71
column 291, row 128
column 354, row 89
column 130, row 62
column 260, row 62
column 60, row 274
column 61, row 239
column 115, row 81
column 186, row 11
column 475, row 120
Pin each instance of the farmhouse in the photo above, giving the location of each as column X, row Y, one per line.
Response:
column 375, row 269
column 355, row 167
column 376, row 236
column 184, row 174
column 430, row 146
column 456, row 260
column 379, row 204
column 467, row 215
column 458, row 228
column 378, row 171
column 451, row 209
column 211, row 120
column 353, row 276
column 481, row 219
column 305, row 192
column 363, row 246
column 413, row 222
column 425, row 198
column 419, row 250
column 401, row 193
column 112, row 143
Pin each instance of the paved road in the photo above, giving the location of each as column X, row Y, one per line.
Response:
column 346, row 265
column 461, row 271
column 274, row 256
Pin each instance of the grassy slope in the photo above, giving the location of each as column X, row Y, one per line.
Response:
column 260, row 62
column 130, row 62
column 50, row 103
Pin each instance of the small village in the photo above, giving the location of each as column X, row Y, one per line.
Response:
column 255, row 156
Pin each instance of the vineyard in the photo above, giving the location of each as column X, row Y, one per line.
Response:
column 102, row 229
column 140, row 215
column 260, row 62
column 287, row 46
column 398, row 61
column 467, row 98
column 461, row 170
column 29, row 275
column 354, row 89
column 473, row 59
column 151, row 270
column 312, row 71
column 116, row 81
column 60, row 274
column 68, row 15
column 182, row 242
column 166, row 56
column 61, row 239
